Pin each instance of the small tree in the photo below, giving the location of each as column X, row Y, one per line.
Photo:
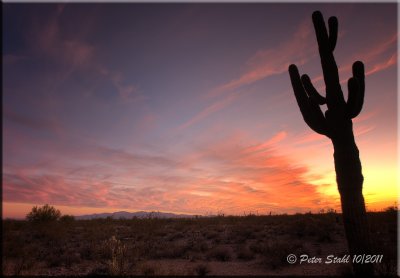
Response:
column 43, row 214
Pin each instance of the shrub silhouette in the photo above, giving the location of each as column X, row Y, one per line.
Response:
column 43, row 214
column 337, row 125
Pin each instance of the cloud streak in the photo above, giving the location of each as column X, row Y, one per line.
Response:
column 31, row 122
column 210, row 109
column 275, row 60
column 74, row 54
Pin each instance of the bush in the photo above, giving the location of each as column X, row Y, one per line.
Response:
column 244, row 253
column 43, row 214
column 276, row 251
column 202, row 270
column 220, row 253
column 118, row 250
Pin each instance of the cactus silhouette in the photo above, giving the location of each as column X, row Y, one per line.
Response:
column 337, row 125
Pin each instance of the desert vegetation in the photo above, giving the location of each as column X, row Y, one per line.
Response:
column 220, row 245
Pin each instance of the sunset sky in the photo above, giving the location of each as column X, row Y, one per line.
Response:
column 186, row 108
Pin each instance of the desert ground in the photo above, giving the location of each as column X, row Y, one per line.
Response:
column 220, row 245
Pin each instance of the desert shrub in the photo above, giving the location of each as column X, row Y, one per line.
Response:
column 320, row 227
column 241, row 233
column 13, row 247
column 276, row 252
column 345, row 270
column 384, row 241
column 43, row 214
column 55, row 257
column 392, row 209
column 202, row 269
column 147, row 247
column 220, row 253
column 49, row 234
column 174, row 236
column 147, row 270
column 257, row 246
column 194, row 236
column 90, row 251
column 196, row 242
column 388, row 266
column 169, row 251
column 326, row 227
column 98, row 270
column 212, row 234
column 24, row 261
column 301, row 226
column 201, row 246
column 244, row 253
column 117, row 249
column 70, row 257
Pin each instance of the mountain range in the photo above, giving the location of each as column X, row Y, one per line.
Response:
column 129, row 215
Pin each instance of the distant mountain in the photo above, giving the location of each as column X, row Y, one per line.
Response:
column 129, row 215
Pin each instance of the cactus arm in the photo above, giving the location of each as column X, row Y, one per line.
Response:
column 310, row 110
column 311, row 91
column 352, row 101
column 356, row 94
column 319, row 124
column 333, row 32
column 334, row 94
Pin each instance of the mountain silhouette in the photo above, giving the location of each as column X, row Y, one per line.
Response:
column 130, row 215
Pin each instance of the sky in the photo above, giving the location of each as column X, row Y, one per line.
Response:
column 186, row 108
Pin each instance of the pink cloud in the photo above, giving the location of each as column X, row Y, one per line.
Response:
column 377, row 67
column 310, row 137
column 9, row 59
column 49, row 124
column 380, row 48
column 316, row 139
column 366, row 116
column 269, row 143
column 127, row 92
column 363, row 129
column 210, row 109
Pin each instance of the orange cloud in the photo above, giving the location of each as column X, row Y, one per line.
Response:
column 269, row 143
column 309, row 137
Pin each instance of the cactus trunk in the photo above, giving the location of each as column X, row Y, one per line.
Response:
column 337, row 125
column 350, row 180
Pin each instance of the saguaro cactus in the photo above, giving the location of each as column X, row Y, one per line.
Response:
column 337, row 125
